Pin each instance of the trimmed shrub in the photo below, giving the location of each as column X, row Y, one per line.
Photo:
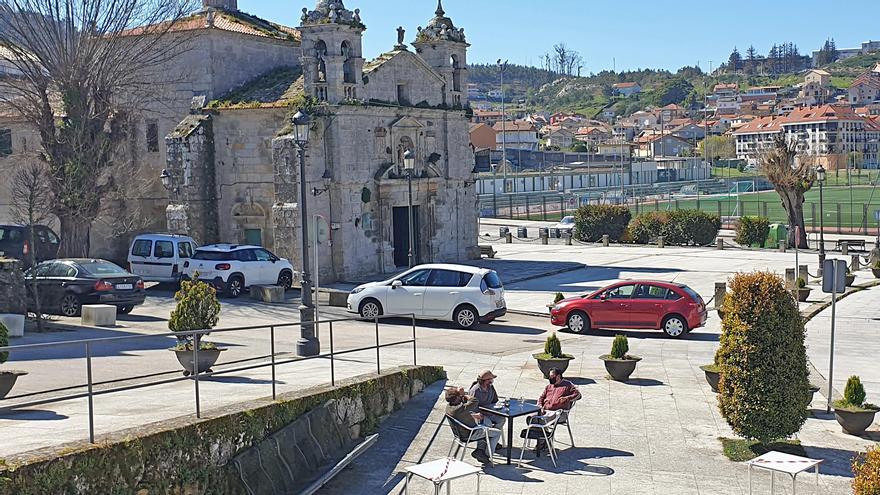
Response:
column 593, row 221
column 752, row 231
column 678, row 228
column 800, row 283
column 197, row 307
column 4, row 342
column 866, row 472
column 553, row 347
column 854, row 393
column 558, row 297
column 619, row 347
column 764, row 385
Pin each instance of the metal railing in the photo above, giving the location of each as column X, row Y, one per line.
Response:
column 194, row 336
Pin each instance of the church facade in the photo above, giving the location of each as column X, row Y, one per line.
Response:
column 234, row 166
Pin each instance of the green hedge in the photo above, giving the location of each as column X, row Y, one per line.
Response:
column 678, row 228
column 764, row 388
column 592, row 222
column 752, row 231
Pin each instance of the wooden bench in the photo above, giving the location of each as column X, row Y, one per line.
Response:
column 486, row 250
column 854, row 244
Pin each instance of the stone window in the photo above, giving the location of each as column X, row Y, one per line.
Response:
column 152, row 136
column 456, row 73
column 347, row 66
column 402, row 94
column 5, row 142
column 321, row 54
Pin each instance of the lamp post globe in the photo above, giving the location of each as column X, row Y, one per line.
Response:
column 307, row 344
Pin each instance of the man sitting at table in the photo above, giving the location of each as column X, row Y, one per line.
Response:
column 557, row 398
column 464, row 409
column 484, row 390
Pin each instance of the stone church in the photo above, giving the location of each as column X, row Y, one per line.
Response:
column 233, row 163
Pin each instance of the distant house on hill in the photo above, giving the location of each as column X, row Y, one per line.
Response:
column 626, row 88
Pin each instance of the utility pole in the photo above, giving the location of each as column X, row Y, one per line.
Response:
column 501, row 67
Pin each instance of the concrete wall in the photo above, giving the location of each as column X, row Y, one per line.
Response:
column 191, row 456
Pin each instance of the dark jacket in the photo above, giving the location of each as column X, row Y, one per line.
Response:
column 462, row 413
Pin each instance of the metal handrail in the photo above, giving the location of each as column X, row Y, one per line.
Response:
column 195, row 377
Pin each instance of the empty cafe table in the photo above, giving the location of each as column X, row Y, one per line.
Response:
column 515, row 410
column 442, row 471
column 779, row 462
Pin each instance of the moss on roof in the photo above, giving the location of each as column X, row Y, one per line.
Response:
column 274, row 88
column 378, row 61
column 268, row 28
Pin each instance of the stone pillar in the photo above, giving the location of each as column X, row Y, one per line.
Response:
column 285, row 212
column 803, row 273
column 783, row 246
column 661, row 242
column 720, row 292
column 844, row 248
column 719, row 244
column 790, row 278
column 605, row 240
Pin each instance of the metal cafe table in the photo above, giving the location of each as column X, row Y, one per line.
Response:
column 515, row 410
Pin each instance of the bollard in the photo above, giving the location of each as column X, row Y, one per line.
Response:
column 821, row 263
column 783, row 245
column 720, row 292
column 719, row 244
column 856, row 263
column 790, row 278
column 803, row 273
column 661, row 242
column 568, row 238
column 544, row 238
column 503, row 231
column 606, row 240
column 509, row 237
column 844, row 248
column 522, row 232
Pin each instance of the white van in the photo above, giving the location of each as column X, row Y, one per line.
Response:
column 160, row 257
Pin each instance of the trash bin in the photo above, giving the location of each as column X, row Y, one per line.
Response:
column 778, row 232
column 522, row 232
column 502, row 231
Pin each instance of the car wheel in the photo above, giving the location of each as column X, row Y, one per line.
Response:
column 675, row 326
column 285, row 280
column 578, row 322
column 70, row 305
column 370, row 308
column 466, row 317
column 125, row 309
column 234, row 286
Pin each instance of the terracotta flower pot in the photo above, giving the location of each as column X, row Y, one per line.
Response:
column 620, row 369
column 546, row 365
column 7, row 381
column 854, row 422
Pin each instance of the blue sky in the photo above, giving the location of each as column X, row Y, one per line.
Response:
column 637, row 33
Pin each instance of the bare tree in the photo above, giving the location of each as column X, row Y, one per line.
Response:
column 85, row 69
column 792, row 176
column 31, row 204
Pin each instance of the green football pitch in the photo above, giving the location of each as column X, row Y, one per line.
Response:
column 843, row 206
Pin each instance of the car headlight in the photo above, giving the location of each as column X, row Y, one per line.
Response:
column 357, row 290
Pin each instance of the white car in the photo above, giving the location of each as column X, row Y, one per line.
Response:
column 160, row 257
column 466, row 295
column 232, row 268
column 566, row 225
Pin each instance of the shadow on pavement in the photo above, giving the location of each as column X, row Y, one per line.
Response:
column 32, row 415
column 74, row 351
column 837, row 461
column 644, row 382
column 498, row 326
column 655, row 334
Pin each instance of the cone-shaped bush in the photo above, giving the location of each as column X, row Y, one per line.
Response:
column 4, row 342
column 553, row 347
column 197, row 307
column 619, row 347
column 764, row 385
column 854, row 393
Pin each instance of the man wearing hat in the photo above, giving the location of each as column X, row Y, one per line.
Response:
column 483, row 389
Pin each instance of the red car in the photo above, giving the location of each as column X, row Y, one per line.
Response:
column 674, row 308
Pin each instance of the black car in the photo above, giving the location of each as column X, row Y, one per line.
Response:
column 65, row 285
column 15, row 243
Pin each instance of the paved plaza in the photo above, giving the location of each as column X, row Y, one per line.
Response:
column 656, row 434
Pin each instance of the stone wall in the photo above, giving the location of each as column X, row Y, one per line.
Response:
column 12, row 289
column 191, row 456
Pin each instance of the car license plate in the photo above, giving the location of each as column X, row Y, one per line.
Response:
column 124, row 286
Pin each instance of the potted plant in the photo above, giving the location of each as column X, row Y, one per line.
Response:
column 552, row 357
column 850, row 277
column 875, row 269
column 801, row 291
column 619, row 364
column 713, row 375
column 558, row 297
column 7, row 378
column 197, row 309
column 852, row 412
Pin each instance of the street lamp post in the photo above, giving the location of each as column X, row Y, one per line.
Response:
column 820, row 176
column 307, row 344
column 409, row 164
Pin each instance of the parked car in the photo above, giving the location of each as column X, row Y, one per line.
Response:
column 565, row 225
column 65, row 285
column 15, row 243
column 160, row 257
column 674, row 308
column 233, row 268
column 464, row 294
